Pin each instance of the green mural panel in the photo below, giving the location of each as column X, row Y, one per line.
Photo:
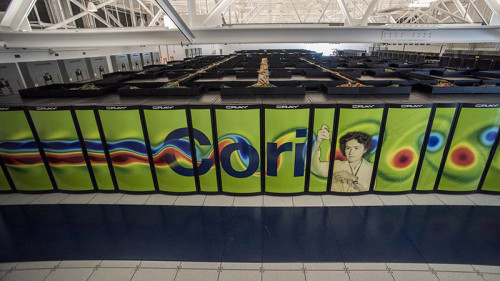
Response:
column 240, row 127
column 4, row 184
column 469, row 150
column 321, row 149
column 441, row 126
column 404, row 133
column 62, row 148
column 20, row 153
column 287, row 142
column 353, row 174
column 492, row 180
column 95, row 149
column 125, row 139
column 172, row 156
column 202, row 122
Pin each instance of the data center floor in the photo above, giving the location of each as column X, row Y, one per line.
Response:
column 161, row 237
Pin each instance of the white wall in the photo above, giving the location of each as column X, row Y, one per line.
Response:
column 178, row 52
column 8, row 55
column 435, row 48
column 325, row 48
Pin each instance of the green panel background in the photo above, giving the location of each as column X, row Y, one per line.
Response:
column 15, row 127
column 361, row 120
column 58, row 126
column 90, row 133
column 245, row 123
column 322, row 116
column 158, row 130
column 4, row 184
column 123, row 125
column 404, row 131
column 280, row 128
column 492, row 180
column 471, row 124
column 202, row 121
column 441, row 125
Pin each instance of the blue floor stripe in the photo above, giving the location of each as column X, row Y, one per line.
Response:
column 410, row 234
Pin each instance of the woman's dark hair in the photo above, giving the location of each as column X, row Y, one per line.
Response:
column 362, row 138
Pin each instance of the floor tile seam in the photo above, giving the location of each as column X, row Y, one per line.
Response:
column 34, row 199
column 410, row 199
column 7, row 197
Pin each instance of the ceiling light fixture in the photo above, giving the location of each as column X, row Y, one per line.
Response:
column 91, row 7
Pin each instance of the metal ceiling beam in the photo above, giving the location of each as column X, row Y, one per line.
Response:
column 215, row 16
column 478, row 12
column 324, row 11
column 345, row 11
column 115, row 20
column 17, row 14
column 368, row 12
column 75, row 17
column 97, row 17
column 295, row 10
column 156, row 18
column 176, row 19
column 146, row 8
column 132, row 12
column 191, row 5
column 256, row 11
column 462, row 10
column 156, row 36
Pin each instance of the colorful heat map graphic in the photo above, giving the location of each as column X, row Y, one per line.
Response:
column 20, row 153
column 474, row 136
column 493, row 176
column 438, row 136
column 125, row 138
column 404, row 133
column 202, row 122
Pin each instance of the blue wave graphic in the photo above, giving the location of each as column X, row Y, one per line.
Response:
column 19, row 146
column 133, row 146
column 179, row 144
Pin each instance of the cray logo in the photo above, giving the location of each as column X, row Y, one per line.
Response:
column 45, row 108
column 163, row 107
column 363, row 106
column 4, row 108
column 237, row 107
column 287, row 106
column 411, row 105
column 115, row 107
column 487, row 105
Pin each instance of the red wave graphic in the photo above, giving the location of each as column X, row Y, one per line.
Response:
column 65, row 159
column 126, row 158
column 26, row 159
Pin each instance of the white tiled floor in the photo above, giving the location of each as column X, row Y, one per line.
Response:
column 335, row 200
column 451, row 199
column 50, row 198
column 168, row 270
column 133, row 199
column 252, row 201
column 106, row 198
column 367, row 200
column 307, row 201
column 190, row 200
